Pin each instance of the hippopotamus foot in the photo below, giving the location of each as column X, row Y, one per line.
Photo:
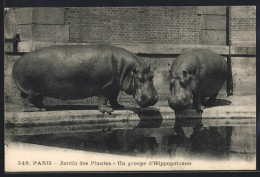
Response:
column 33, row 109
column 33, row 102
column 197, row 103
column 116, row 105
column 103, row 107
column 211, row 101
column 113, row 101
column 202, row 100
column 199, row 108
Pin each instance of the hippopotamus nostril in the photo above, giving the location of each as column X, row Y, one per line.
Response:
column 156, row 99
column 153, row 100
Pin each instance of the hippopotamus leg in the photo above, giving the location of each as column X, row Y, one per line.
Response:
column 33, row 100
column 197, row 103
column 211, row 101
column 102, row 104
column 113, row 101
column 202, row 100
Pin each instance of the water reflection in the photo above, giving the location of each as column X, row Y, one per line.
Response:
column 206, row 142
column 195, row 141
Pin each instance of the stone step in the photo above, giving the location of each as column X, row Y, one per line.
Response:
column 156, row 49
column 30, row 123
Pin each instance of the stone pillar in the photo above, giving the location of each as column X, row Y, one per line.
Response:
column 213, row 25
column 37, row 24
column 33, row 25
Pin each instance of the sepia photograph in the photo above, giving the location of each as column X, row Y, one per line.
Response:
column 130, row 88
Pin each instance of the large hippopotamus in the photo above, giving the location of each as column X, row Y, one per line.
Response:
column 71, row 72
column 195, row 75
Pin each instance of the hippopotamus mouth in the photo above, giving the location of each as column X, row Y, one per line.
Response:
column 177, row 104
column 144, row 93
column 151, row 102
column 144, row 102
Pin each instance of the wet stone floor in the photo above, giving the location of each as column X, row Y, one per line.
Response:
column 197, row 142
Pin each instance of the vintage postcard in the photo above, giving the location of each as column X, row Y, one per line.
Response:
column 149, row 88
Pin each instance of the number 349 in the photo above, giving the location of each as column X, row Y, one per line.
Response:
column 23, row 163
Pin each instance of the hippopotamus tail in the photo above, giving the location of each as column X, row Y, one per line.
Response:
column 17, row 77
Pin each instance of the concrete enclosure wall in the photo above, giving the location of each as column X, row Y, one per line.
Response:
column 158, row 34
column 158, row 25
column 153, row 25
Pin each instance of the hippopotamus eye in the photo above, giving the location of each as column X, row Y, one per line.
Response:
column 141, row 79
column 185, row 81
column 135, row 70
column 172, row 82
column 150, row 77
column 184, row 73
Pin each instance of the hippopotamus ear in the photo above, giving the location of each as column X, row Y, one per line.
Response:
column 135, row 70
column 126, row 80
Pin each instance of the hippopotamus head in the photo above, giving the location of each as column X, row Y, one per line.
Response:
column 182, row 87
column 143, row 89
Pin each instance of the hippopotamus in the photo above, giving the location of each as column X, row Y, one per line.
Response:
column 195, row 75
column 72, row 72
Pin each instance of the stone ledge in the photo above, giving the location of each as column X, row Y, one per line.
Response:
column 31, row 123
column 163, row 49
